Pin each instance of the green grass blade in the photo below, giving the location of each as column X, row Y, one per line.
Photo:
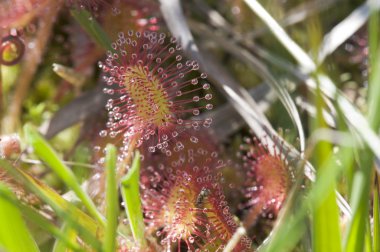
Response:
column 326, row 228
column 14, row 235
column 342, row 31
column 70, row 235
column 32, row 215
column 44, row 152
column 353, row 116
column 373, row 93
column 376, row 218
column 298, row 53
column 373, row 29
column 92, row 27
column 131, row 196
column 88, row 228
column 357, row 231
column 368, row 238
column 112, row 200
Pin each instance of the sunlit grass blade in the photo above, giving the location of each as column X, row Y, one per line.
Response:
column 92, row 27
column 326, row 225
column 297, row 52
column 373, row 92
column 14, row 234
column 353, row 116
column 88, row 228
column 112, row 200
column 325, row 222
column 368, row 238
column 131, row 196
column 44, row 152
column 376, row 217
column 342, row 31
column 32, row 215
column 361, row 189
column 70, row 236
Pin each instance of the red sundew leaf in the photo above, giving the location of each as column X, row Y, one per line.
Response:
column 183, row 201
column 155, row 93
column 268, row 182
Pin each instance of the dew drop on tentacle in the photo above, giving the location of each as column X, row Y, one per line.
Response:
column 12, row 49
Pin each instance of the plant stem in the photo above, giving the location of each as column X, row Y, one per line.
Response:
column 30, row 64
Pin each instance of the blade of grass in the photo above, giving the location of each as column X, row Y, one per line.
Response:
column 299, row 55
column 342, row 31
column 44, row 152
column 353, row 116
column 373, row 29
column 376, row 217
column 14, row 235
column 32, row 215
column 368, row 238
column 111, row 199
column 131, row 196
column 92, row 27
column 70, row 235
column 89, row 230
column 326, row 229
column 357, row 229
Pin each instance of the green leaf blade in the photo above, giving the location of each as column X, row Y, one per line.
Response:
column 112, row 200
column 14, row 235
column 46, row 153
column 131, row 196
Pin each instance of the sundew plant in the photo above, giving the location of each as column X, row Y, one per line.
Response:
column 197, row 125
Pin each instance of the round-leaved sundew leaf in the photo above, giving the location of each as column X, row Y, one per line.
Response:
column 155, row 94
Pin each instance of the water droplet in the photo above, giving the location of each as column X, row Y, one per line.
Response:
column 194, row 139
column 206, row 86
column 208, row 96
column 103, row 133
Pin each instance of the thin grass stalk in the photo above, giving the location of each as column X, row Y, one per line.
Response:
column 46, row 153
column 70, row 236
column 326, row 230
column 376, row 217
column 112, row 211
column 14, row 234
column 85, row 226
column 355, row 239
column 131, row 197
